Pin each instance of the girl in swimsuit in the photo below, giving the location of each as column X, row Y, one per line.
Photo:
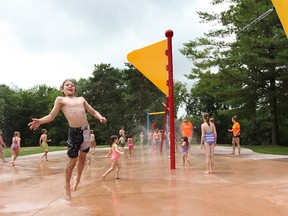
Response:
column 185, row 147
column 115, row 154
column 15, row 146
column 130, row 143
column 208, row 141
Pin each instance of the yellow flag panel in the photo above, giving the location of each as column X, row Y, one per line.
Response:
column 151, row 61
column 281, row 7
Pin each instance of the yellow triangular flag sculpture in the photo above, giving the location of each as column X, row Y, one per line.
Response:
column 151, row 61
column 281, row 7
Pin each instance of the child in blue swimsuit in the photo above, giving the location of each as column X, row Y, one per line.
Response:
column 208, row 141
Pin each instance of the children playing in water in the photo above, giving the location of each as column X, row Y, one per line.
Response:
column 115, row 154
column 74, row 109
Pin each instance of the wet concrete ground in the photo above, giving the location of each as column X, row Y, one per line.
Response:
column 249, row 184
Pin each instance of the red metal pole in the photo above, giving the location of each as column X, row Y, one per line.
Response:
column 169, row 68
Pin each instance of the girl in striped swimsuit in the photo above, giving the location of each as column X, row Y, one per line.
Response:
column 208, row 141
column 15, row 146
column 115, row 154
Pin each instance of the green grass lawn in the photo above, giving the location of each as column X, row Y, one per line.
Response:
column 36, row 150
column 33, row 150
column 277, row 150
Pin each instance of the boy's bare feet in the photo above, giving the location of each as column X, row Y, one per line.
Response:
column 206, row 172
column 68, row 193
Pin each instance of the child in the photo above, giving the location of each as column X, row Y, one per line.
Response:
column 130, row 143
column 43, row 142
column 93, row 142
column 15, row 146
column 115, row 154
column 185, row 147
column 141, row 137
column 74, row 108
column 236, row 134
column 2, row 144
column 208, row 138
column 122, row 132
column 122, row 142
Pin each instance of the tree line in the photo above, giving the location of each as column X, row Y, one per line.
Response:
column 123, row 96
column 241, row 71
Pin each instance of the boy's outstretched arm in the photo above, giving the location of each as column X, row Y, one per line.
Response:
column 94, row 113
column 48, row 118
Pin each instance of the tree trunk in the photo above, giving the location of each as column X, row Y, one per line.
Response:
column 273, row 111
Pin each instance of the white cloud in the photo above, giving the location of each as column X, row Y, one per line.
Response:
column 45, row 42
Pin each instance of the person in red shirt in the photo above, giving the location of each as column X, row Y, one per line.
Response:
column 187, row 130
column 236, row 134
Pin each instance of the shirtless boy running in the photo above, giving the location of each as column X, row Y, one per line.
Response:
column 74, row 108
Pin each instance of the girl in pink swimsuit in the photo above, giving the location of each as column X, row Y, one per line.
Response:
column 130, row 143
column 115, row 154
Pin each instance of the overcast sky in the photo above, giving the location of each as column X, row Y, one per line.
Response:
column 48, row 41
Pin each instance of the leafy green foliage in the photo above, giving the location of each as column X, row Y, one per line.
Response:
column 243, row 71
column 122, row 96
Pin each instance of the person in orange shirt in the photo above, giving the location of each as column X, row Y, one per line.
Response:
column 236, row 134
column 187, row 130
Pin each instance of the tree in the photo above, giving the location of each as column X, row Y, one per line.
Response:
column 249, row 65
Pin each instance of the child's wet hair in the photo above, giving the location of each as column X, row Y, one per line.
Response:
column 206, row 118
column 71, row 80
column 185, row 139
column 112, row 139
